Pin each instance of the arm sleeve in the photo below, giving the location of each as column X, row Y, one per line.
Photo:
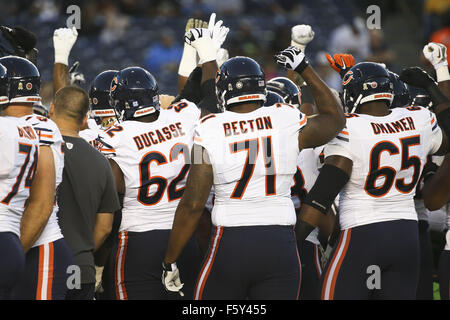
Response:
column 110, row 201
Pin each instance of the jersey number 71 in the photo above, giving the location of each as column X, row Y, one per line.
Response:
column 252, row 148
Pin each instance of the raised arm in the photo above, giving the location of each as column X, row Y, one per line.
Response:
column 63, row 41
column 330, row 119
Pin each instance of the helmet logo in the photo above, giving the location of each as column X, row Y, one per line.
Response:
column 29, row 86
column 95, row 100
column 20, row 86
column 239, row 85
column 261, row 83
column 113, row 84
column 347, row 78
column 374, row 85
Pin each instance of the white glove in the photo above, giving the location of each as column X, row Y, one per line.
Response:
column 301, row 35
column 436, row 53
column 171, row 279
column 325, row 255
column 201, row 40
column 63, row 41
column 292, row 58
column 217, row 31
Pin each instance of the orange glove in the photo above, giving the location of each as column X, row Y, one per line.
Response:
column 341, row 62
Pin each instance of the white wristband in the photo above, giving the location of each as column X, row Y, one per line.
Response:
column 188, row 61
column 298, row 45
column 62, row 58
column 442, row 73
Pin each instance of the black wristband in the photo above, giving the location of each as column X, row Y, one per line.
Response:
column 302, row 66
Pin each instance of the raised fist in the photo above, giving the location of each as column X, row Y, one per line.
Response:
column 301, row 35
column 436, row 53
column 63, row 41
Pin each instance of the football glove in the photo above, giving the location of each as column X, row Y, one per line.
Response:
column 325, row 255
column 195, row 23
column 201, row 40
column 292, row 58
column 217, row 31
column 416, row 77
column 436, row 53
column 171, row 278
column 341, row 62
column 63, row 41
column 301, row 35
column 76, row 77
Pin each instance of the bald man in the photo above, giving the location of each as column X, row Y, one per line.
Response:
column 87, row 196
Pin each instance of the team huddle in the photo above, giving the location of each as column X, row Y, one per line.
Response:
column 237, row 188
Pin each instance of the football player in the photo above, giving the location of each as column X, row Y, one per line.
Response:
column 101, row 110
column 148, row 151
column 436, row 191
column 249, row 153
column 376, row 161
column 47, row 253
column 19, row 146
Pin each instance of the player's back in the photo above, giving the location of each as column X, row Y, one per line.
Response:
column 19, row 147
column 154, row 158
column 254, row 158
column 388, row 155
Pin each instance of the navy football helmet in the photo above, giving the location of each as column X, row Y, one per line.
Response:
column 240, row 79
column 401, row 94
column 273, row 98
column 99, row 96
column 4, row 85
column 134, row 93
column 24, row 79
column 420, row 97
column 286, row 88
column 364, row 82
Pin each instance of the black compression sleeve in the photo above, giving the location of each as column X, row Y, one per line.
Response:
column 329, row 183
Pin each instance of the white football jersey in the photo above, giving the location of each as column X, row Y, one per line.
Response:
column 49, row 135
column 154, row 158
column 304, row 179
column 254, row 158
column 388, row 155
column 19, row 151
column 91, row 134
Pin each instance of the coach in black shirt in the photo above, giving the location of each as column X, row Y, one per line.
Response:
column 87, row 197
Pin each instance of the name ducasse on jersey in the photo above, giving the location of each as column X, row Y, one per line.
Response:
column 154, row 137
